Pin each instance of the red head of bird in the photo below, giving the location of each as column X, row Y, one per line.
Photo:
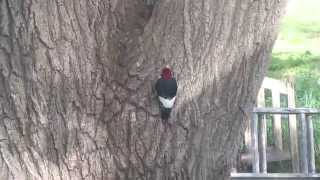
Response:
column 166, row 73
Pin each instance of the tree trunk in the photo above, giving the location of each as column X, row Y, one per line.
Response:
column 77, row 77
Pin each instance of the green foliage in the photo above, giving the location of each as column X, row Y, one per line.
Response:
column 300, row 30
column 295, row 65
column 304, row 71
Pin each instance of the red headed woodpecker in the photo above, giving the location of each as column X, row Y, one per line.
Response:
column 166, row 88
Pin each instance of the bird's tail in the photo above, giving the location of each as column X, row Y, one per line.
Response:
column 165, row 113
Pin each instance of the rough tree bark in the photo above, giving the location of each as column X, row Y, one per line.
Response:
column 77, row 76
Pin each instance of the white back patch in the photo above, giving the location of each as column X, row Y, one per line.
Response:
column 167, row 103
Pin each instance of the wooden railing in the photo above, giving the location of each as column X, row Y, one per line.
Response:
column 306, row 167
column 277, row 94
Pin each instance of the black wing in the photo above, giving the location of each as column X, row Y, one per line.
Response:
column 166, row 88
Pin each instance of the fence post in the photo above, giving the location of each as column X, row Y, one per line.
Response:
column 254, row 144
column 303, row 144
column 294, row 147
column 311, row 158
column 277, row 131
column 263, row 142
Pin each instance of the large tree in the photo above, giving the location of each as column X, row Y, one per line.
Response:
column 77, row 77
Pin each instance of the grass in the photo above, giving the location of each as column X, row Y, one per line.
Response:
column 290, row 65
column 296, row 54
column 300, row 30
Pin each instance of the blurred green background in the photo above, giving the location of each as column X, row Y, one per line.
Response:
column 296, row 58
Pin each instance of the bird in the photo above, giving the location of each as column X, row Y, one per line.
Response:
column 166, row 87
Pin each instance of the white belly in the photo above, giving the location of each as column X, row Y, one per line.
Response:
column 167, row 103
